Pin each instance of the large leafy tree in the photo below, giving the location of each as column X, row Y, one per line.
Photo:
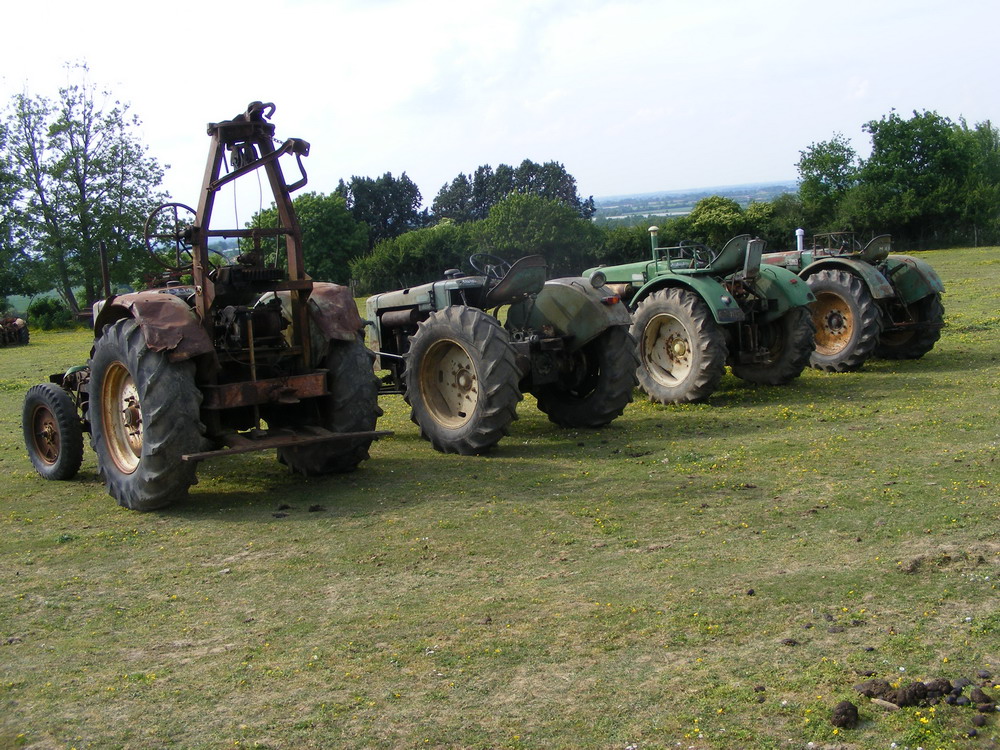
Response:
column 981, row 193
column 83, row 179
column 16, row 275
column 716, row 219
column 827, row 170
column 413, row 258
column 331, row 237
column 524, row 224
column 470, row 198
column 910, row 184
column 389, row 205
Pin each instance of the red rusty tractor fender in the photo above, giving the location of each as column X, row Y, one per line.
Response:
column 333, row 309
column 167, row 322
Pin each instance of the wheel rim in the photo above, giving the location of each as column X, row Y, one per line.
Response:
column 834, row 323
column 449, row 384
column 122, row 418
column 666, row 350
column 45, row 436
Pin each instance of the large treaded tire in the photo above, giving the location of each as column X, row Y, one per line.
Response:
column 599, row 385
column 462, row 380
column 916, row 342
column 682, row 350
column 352, row 406
column 53, row 433
column 144, row 415
column 847, row 320
column 789, row 341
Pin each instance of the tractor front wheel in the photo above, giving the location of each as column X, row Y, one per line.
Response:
column 351, row 406
column 53, row 433
column 144, row 416
column 926, row 319
column 682, row 350
column 597, row 384
column 847, row 321
column 788, row 343
column 462, row 380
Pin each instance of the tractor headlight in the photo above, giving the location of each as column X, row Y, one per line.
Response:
column 598, row 279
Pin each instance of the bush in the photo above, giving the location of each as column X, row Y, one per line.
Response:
column 48, row 313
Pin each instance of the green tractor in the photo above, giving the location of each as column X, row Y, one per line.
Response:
column 868, row 301
column 462, row 370
column 695, row 310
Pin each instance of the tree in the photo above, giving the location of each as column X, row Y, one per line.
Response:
column 15, row 269
column 389, row 206
column 827, row 170
column 981, row 193
column 413, row 258
column 471, row 198
column 716, row 219
column 331, row 238
column 911, row 183
column 524, row 224
column 83, row 179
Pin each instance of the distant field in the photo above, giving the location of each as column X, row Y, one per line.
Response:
column 708, row 576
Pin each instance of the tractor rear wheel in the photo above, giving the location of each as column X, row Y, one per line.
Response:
column 53, row 433
column 144, row 415
column 789, row 342
column 847, row 321
column 462, row 380
column 597, row 385
column 352, row 406
column 682, row 350
column 913, row 343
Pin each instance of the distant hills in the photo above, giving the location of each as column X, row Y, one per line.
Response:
column 680, row 202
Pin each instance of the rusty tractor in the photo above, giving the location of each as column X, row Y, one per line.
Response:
column 225, row 357
column 13, row 331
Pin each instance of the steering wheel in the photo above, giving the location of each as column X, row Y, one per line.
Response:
column 489, row 266
column 168, row 224
column 700, row 254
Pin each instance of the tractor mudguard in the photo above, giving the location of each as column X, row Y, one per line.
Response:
column 912, row 278
column 573, row 307
column 168, row 323
column 332, row 308
column 332, row 312
column 724, row 308
column 776, row 283
column 877, row 284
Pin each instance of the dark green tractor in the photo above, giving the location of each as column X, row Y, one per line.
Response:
column 462, row 369
column 695, row 310
column 869, row 302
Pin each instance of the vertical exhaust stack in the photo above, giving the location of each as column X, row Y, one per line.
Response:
column 800, row 239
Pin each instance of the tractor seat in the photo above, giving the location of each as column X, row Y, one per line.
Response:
column 525, row 277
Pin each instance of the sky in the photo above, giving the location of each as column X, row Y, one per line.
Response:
column 632, row 96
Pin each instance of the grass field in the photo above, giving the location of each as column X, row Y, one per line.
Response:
column 700, row 576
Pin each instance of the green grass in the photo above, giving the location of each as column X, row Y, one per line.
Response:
column 575, row 589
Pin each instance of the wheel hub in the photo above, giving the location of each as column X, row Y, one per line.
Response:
column 464, row 380
column 835, row 322
column 667, row 349
column 449, row 384
column 47, row 434
column 122, row 418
